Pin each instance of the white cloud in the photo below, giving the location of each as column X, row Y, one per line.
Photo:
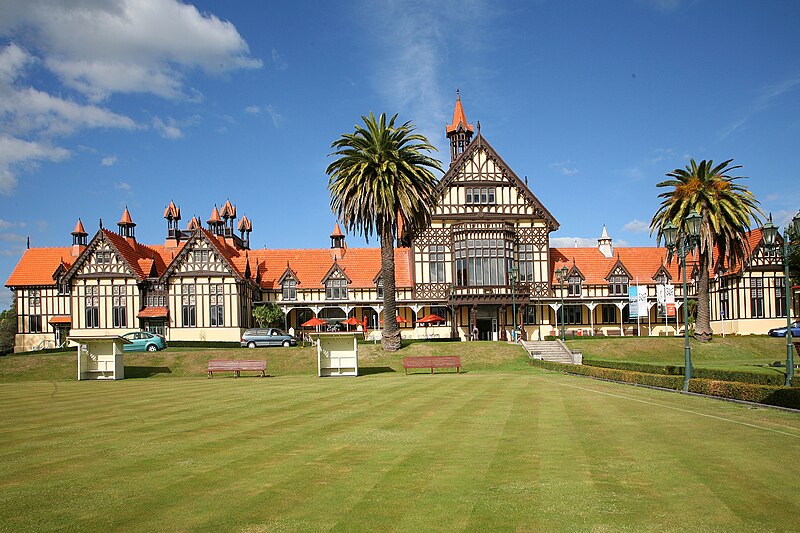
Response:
column 277, row 118
column 767, row 95
column 569, row 242
column 168, row 129
column 129, row 46
column 109, row 161
column 252, row 110
column 123, row 186
column 17, row 152
column 277, row 61
column 565, row 168
column 636, row 226
column 12, row 237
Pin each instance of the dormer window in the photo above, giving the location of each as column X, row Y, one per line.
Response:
column 379, row 287
column 289, row 289
column 618, row 286
column 662, row 279
column 574, row 286
column 336, row 289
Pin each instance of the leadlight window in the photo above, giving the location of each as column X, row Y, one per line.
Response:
column 217, row 304
column 525, row 261
column 480, row 195
column 529, row 315
column 436, row 261
column 189, row 305
column 63, row 287
column 609, row 314
column 618, row 286
column 156, row 295
column 483, row 262
column 573, row 314
column 289, row 288
column 118, row 306
column 336, row 289
column 103, row 257
column 757, row 298
column 201, row 256
column 92, row 301
column 35, row 323
column 780, row 296
column 574, row 286
column 379, row 288
column 34, row 297
column 724, row 304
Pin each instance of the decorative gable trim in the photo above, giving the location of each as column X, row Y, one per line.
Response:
column 335, row 272
column 618, row 270
column 480, row 143
column 288, row 274
column 662, row 270
column 198, row 236
column 99, row 238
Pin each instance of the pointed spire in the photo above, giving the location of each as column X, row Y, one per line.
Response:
column 194, row 223
column 604, row 244
column 459, row 117
column 459, row 132
column 228, row 210
column 214, row 216
column 337, row 231
column 172, row 212
column 604, row 235
column 126, row 218
column 245, row 224
column 79, row 229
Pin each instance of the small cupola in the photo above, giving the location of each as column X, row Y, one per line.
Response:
column 604, row 244
column 126, row 226
column 215, row 223
column 78, row 239
column 245, row 227
column 172, row 214
column 337, row 237
column 194, row 223
column 228, row 215
column 459, row 132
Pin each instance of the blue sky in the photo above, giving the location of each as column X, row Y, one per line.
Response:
column 113, row 103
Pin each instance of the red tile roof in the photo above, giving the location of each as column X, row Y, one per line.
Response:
column 172, row 212
column 79, row 228
column 642, row 263
column 153, row 312
column 459, row 118
column 126, row 219
column 37, row 266
column 214, row 216
column 228, row 210
column 60, row 319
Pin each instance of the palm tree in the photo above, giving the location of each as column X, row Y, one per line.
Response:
column 726, row 209
column 381, row 177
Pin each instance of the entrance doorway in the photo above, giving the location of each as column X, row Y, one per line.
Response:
column 486, row 321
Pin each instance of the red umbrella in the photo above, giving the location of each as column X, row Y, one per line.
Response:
column 430, row 319
column 399, row 319
column 314, row 322
column 352, row 321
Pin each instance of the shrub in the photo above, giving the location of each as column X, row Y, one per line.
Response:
column 749, row 392
column 744, row 376
column 204, row 344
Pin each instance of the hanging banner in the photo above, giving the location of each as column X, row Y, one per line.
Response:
column 641, row 293
column 661, row 300
column 669, row 300
column 633, row 301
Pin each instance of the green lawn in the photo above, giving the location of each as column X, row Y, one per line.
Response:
column 733, row 352
column 510, row 449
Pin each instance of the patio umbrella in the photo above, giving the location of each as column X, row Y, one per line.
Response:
column 352, row 321
column 314, row 322
column 400, row 320
column 429, row 319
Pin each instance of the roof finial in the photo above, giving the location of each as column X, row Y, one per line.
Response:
column 458, row 94
column 101, row 223
column 479, row 126
column 29, row 243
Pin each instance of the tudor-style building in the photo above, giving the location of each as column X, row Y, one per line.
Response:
column 486, row 253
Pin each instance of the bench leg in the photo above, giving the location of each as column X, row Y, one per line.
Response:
column 210, row 374
column 431, row 370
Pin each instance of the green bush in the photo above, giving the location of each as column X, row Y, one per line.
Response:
column 743, row 376
column 749, row 392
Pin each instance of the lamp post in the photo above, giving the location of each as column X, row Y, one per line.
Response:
column 512, row 276
column 450, row 289
column 769, row 232
column 687, row 242
column 561, row 274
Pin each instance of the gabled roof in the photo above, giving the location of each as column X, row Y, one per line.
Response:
column 172, row 212
column 234, row 260
column 37, row 266
column 640, row 263
column 480, row 143
column 334, row 269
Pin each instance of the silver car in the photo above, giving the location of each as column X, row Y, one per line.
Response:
column 253, row 338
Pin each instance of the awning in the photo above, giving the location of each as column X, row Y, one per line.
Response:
column 153, row 312
column 60, row 319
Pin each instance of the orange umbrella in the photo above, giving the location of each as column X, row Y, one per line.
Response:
column 430, row 319
column 399, row 319
column 314, row 322
column 352, row 321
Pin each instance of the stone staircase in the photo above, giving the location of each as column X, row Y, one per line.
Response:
column 554, row 351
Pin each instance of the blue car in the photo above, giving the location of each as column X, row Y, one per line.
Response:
column 781, row 332
column 144, row 341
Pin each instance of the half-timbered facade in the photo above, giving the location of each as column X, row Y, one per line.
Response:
column 485, row 256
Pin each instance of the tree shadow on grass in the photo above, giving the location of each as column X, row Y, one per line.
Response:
column 369, row 370
column 134, row 372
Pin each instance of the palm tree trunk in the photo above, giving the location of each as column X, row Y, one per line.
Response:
column 702, row 327
column 390, row 339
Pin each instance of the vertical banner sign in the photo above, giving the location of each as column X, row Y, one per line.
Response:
column 641, row 296
column 633, row 302
column 669, row 298
column 661, row 300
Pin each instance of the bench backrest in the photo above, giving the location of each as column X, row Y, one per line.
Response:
column 431, row 361
column 223, row 364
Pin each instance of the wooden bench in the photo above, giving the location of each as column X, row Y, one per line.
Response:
column 441, row 361
column 223, row 365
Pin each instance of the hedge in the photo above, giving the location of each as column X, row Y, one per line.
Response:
column 749, row 392
column 203, row 344
column 716, row 374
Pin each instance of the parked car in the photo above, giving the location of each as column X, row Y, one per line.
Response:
column 781, row 332
column 267, row 337
column 142, row 341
